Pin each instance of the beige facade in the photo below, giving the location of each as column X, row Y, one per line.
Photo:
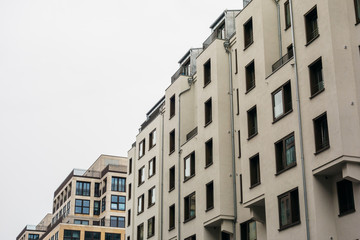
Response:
column 258, row 135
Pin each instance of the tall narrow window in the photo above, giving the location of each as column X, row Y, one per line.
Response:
column 172, row 178
column 208, row 112
column 104, row 186
column 236, row 61
column 151, row 227
column 172, row 106
column 250, row 76
column 207, row 72
column 193, row 237
column 289, row 213
column 237, row 102
column 172, row 217
column 82, row 206
column 130, row 166
column 241, row 189
column 287, row 15
column 172, row 141
column 345, row 197
column 82, row 188
column 96, row 190
column 142, row 148
column 311, row 25
column 141, row 176
column 285, row 153
column 248, row 230
column 152, row 167
column 140, row 204
column 252, row 122
column 189, row 207
column 152, row 139
column 129, row 191
column 321, row 133
column 208, row 152
column 248, row 33
column 357, row 10
column 140, row 232
column 96, row 208
column 151, row 197
column 281, row 99
column 316, row 78
column 103, row 204
column 129, row 217
column 118, row 184
column 209, row 196
column 254, row 171
column 117, row 202
column 189, row 166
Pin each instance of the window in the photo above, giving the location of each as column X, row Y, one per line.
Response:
column 357, row 10
column 32, row 236
column 248, row 230
column 172, row 178
column 237, row 102
column 71, row 235
column 193, row 237
column 81, row 222
column 129, row 191
column 152, row 139
column 57, row 236
column 141, row 176
column 289, row 213
column 281, row 99
column 112, row 236
column 104, row 186
column 97, row 208
column 321, row 133
column 311, row 25
column 250, row 76
column 129, row 217
column 141, row 204
column 152, row 167
column 82, row 206
column 172, row 217
column 97, row 190
column 254, row 171
column 172, row 141
column 316, row 78
column 236, row 62
column 172, row 106
column 239, row 143
column 207, row 73
column 103, row 221
column 208, row 112
column 140, row 232
column 189, row 207
column 285, row 153
column 118, row 202
column 241, row 189
column 151, row 227
column 287, row 15
column 208, row 152
column 345, row 197
column 130, row 166
column 252, row 122
column 116, row 221
column 248, row 33
column 209, row 196
column 151, row 196
column 118, row 184
column 82, row 188
column 103, row 204
column 189, row 166
column 92, row 235
column 142, row 148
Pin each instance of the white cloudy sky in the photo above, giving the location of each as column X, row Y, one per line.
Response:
column 76, row 79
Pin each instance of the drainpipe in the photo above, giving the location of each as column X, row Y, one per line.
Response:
column 300, row 124
column 162, row 174
column 279, row 26
column 179, row 158
column 227, row 48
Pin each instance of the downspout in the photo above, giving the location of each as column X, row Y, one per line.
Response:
column 179, row 161
column 300, row 124
column 227, row 48
column 279, row 26
column 162, row 174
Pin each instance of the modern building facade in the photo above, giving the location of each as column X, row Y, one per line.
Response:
column 88, row 204
column 258, row 134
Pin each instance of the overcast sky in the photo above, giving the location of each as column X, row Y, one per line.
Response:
column 76, row 80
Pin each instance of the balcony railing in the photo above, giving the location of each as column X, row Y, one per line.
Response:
column 282, row 60
column 214, row 35
column 182, row 71
column 192, row 133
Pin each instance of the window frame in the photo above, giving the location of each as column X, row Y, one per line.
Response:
column 119, row 220
column 120, row 200
column 209, row 153
column 152, row 139
column 151, row 196
column 172, row 141
column 207, row 112
column 172, row 111
column 188, row 207
column 152, row 166
column 172, row 217
column 172, row 178
column 118, row 184
column 140, row 232
column 72, row 232
column 288, row 195
column 245, row 229
column 92, row 237
column 142, row 148
column 207, row 72
column 141, row 175
column 252, row 118
column 283, row 167
column 345, row 197
column 320, row 144
column 250, row 78
column 248, row 29
column 287, row 15
column 314, row 76
column 357, row 11
column 82, row 206
column 286, row 93
column 81, row 190
column 311, row 25
column 140, row 204
column 210, row 196
column 192, row 166
column 151, row 227
column 254, row 163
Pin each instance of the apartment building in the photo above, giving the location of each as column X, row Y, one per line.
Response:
column 258, row 135
column 88, row 205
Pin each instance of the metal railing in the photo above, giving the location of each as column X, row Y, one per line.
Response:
column 284, row 59
column 182, row 71
column 214, row 35
column 313, row 34
column 317, row 87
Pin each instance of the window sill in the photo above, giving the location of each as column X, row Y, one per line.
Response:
column 171, row 116
column 285, row 169
column 312, row 40
column 317, row 93
column 347, row 212
column 249, row 90
column 139, row 213
column 357, row 23
column 249, row 44
column 141, row 157
column 187, row 179
column 282, row 116
column 140, row 184
column 188, row 220
column 148, row 237
column 171, row 189
column 322, row 150
column 152, row 147
column 289, row 226
column 170, row 229
column 171, row 152
column 287, row 27
column 151, row 205
column 151, row 176
column 252, row 136
column 255, row 185
column 208, row 165
column 205, row 84
column 208, row 123
column 210, row 208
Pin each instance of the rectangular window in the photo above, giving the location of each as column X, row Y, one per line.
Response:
column 254, row 170
column 236, row 61
column 141, row 204
column 316, row 78
column 248, row 33
column 118, row 184
column 208, row 152
column 241, row 189
column 129, row 217
column 81, row 222
column 116, row 221
column 237, row 102
column 117, row 203
column 311, row 25
column 112, row 236
column 152, row 139
column 289, row 213
column 32, row 236
column 208, row 112
column 96, row 208
column 97, row 190
column 172, row 217
column 172, row 106
column 103, row 204
column 357, row 10
column 129, row 191
column 287, row 15
column 189, row 166
column 189, row 207
column 172, row 141
column 209, row 196
column 151, row 227
column 321, row 133
column 140, row 232
column 130, row 166
column 141, row 176
column 252, row 122
column 248, row 230
column 142, row 148
column 345, row 197
column 71, row 235
column 172, row 178
column 82, row 206
column 92, row 235
column 152, row 167
column 193, row 237
column 281, row 99
column 104, row 186
column 82, row 188
column 239, row 143
column 102, row 221
column 207, row 72
column 285, row 153
column 151, row 197
column 250, row 76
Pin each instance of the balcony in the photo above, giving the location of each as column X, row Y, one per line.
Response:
column 282, row 61
column 182, row 71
